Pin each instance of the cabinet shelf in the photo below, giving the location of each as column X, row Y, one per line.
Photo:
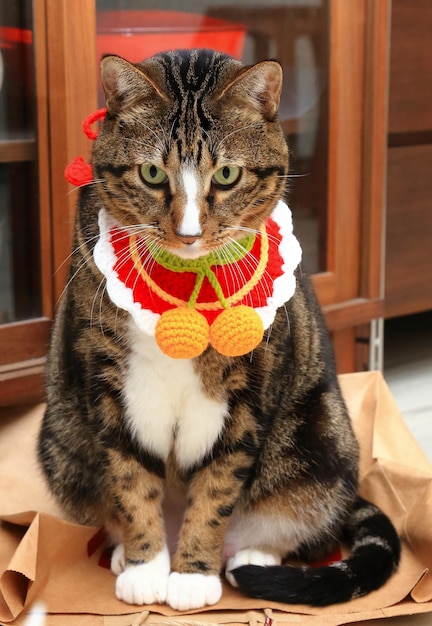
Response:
column 17, row 150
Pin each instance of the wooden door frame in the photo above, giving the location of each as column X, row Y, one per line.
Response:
column 71, row 42
column 351, row 291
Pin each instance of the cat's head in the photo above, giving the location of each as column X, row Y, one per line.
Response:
column 191, row 148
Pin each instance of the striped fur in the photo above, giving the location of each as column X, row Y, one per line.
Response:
column 256, row 454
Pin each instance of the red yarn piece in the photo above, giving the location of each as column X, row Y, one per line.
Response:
column 334, row 557
column 90, row 120
column 79, row 172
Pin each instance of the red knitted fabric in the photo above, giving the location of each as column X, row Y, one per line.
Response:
column 231, row 277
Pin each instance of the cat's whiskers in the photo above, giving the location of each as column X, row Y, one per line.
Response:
column 146, row 146
column 233, row 132
column 138, row 121
column 84, row 260
column 101, row 308
column 212, row 148
column 151, row 235
column 145, row 234
column 268, row 336
column 136, row 229
column 123, row 259
column 246, row 229
column 85, row 250
column 252, row 231
column 158, row 247
column 285, row 310
column 86, row 244
column 220, row 255
column 147, row 259
column 253, row 264
column 293, row 175
column 236, row 268
column 228, row 265
column 229, row 240
column 170, row 136
column 90, row 183
column 102, row 284
column 142, row 247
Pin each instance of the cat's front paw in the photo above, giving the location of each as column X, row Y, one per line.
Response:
column 146, row 583
column 193, row 591
column 118, row 560
column 250, row 556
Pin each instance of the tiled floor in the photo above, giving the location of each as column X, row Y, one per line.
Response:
column 408, row 372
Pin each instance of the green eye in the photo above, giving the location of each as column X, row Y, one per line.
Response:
column 227, row 175
column 152, row 174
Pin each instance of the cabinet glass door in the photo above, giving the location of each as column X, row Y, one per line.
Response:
column 20, row 291
column 295, row 33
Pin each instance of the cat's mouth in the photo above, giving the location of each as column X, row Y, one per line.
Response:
column 199, row 247
column 194, row 247
column 190, row 251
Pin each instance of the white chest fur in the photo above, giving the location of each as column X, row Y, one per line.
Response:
column 166, row 407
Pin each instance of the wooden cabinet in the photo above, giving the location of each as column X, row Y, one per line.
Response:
column 408, row 267
column 410, row 69
column 409, row 230
column 62, row 98
column 24, row 329
column 352, row 167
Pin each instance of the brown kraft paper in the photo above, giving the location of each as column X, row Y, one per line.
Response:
column 65, row 566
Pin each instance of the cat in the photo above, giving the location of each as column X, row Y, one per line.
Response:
column 256, row 451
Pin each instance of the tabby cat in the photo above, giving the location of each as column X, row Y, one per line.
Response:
column 255, row 452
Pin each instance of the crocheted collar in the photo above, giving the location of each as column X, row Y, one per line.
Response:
column 226, row 298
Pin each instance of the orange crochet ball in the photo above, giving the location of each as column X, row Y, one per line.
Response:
column 182, row 333
column 236, row 331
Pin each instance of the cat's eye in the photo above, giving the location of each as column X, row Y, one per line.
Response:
column 152, row 174
column 227, row 175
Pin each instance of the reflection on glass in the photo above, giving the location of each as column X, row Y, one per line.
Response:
column 295, row 32
column 19, row 231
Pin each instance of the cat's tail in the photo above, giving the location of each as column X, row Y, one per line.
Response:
column 375, row 554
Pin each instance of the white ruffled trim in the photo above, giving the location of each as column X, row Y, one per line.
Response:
column 122, row 296
column 289, row 248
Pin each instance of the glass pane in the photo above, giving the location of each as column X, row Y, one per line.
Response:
column 19, row 232
column 295, row 32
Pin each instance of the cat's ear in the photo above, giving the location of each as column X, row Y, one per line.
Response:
column 259, row 86
column 125, row 84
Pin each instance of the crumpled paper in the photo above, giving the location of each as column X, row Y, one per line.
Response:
column 45, row 558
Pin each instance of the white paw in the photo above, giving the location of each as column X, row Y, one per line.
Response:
column 118, row 561
column 193, row 591
column 250, row 557
column 146, row 583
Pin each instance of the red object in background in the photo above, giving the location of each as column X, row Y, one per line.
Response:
column 137, row 35
column 17, row 115
column 335, row 557
column 100, row 540
column 9, row 36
